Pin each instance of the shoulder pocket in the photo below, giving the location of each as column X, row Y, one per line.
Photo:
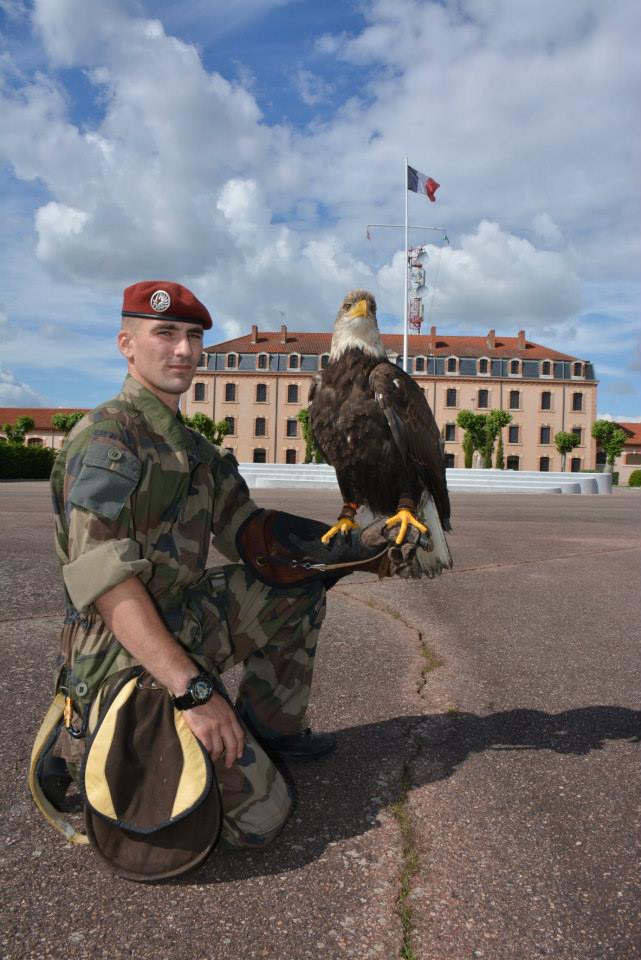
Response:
column 109, row 475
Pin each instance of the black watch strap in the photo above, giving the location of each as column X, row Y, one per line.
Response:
column 200, row 689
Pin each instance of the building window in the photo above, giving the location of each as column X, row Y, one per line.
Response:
column 514, row 366
column 546, row 368
column 577, row 401
column 449, row 460
column 232, row 361
column 324, row 361
column 513, row 433
column 34, row 442
column 483, row 398
column 292, row 393
column 450, row 397
column 199, row 391
column 292, row 427
column 260, row 455
column 259, row 427
column 546, row 435
column 452, row 364
column 633, row 459
column 290, row 456
column 203, row 360
column 578, row 369
column 483, row 366
column 544, row 464
column 230, row 392
column 601, row 458
column 419, row 365
column 546, row 400
column 578, row 432
column 262, row 361
column 294, row 361
column 231, row 423
column 575, row 465
column 450, row 431
column 512, row 462
column 515, row 399
column 261, row 393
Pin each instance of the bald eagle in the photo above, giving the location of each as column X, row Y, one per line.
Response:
column 371, row 421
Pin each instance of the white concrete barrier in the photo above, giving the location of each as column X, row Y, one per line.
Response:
column 320, row 475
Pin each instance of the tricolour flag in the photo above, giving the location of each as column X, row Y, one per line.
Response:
column 419, row 183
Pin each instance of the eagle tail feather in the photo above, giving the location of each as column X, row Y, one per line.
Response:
column 439, row 558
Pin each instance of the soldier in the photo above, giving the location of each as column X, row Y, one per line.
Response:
column 137, row 497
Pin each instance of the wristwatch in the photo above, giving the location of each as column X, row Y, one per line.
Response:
column 199, row 691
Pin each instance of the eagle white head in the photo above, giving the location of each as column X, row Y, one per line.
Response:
column 356, row 326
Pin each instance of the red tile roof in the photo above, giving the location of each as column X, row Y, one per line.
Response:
column 419, row 345
column 634, row 433
column 40, row 415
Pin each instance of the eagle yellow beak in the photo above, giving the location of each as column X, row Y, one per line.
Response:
column 359, row 309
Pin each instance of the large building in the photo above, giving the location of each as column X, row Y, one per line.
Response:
column 258, row 383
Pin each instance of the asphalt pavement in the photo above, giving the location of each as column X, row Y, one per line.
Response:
column 484, row 797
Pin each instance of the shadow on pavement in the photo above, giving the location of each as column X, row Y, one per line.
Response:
column 340, row 796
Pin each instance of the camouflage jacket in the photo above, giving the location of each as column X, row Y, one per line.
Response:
column 136, row 492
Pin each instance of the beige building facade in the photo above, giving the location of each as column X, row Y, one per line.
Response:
column 260, row 382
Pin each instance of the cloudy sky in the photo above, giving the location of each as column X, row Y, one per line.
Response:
column 242, row 148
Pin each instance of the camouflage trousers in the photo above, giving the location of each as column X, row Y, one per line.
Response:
column 273, row 633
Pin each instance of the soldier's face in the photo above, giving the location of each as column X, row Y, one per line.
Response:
column 162, row 355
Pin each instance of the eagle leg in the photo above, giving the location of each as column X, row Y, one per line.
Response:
column 405, row 517
column 344, row 523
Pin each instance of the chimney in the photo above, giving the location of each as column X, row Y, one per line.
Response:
column 521, row 340
column 432, row 332
column 254, row 338
column 491, row 339
column 283, row 333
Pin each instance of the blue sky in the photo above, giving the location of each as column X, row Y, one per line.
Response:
column 242, row 148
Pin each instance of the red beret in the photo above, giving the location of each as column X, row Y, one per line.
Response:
column 164, row 300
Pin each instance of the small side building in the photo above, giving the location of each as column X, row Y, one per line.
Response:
column 630, row 458
column 44, row 434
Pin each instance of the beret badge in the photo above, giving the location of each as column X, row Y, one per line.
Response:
column 160, row 301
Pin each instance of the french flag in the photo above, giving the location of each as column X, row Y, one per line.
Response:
column 419, row 183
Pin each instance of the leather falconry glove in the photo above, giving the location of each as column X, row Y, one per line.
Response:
column 286, row 550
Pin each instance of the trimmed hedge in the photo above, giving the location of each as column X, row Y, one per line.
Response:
column 635, row 479
column 25, row 463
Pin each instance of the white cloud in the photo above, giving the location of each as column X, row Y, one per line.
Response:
column 519, row 110
column 312, row 88
column 14, row 393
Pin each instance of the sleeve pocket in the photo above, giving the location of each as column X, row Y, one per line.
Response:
column 109, row 475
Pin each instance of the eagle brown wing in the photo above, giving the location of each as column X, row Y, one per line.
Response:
column 414, row 429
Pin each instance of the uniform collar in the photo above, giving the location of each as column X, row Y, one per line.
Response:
column 157, row 413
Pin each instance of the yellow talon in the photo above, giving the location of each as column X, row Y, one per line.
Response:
column 405, row 518
column 343, row 525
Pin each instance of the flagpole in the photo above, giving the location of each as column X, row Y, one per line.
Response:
column 405, row 278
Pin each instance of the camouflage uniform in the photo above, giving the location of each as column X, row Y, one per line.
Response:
column 136, row 492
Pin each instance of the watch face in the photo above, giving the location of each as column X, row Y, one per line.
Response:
column 201, row 689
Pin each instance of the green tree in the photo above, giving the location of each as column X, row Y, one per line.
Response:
column 564, row 443
column 481, row 431
column 214, row 432
column 66, row 421
column 16, row 432
column 500, row 454
column 611, row 438
column 312, row 453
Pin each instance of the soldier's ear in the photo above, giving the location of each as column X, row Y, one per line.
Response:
column 125, row 343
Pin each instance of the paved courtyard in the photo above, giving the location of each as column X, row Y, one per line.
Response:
column 483, row 800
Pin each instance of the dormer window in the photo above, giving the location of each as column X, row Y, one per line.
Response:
column 294, row 361
column 232, row 361
column 324, row 361
column 419, row 365
column 546, row 369
column 203, row 360
column 262, row 361
column 452, row 364
column 577, row 370
column 484, row 366
column 515, row 368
